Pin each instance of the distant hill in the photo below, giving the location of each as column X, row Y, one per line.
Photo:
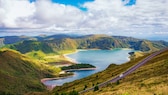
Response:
column 31, row 45
column 150, row 79
column 15, row 39
column 56, row 43
column 20, row 75
column 48, row 46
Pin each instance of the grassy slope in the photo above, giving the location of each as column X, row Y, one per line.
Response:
column 19, row 74
column 150, row 79
column 46, row 58
column 110, row 72
column 47, row 51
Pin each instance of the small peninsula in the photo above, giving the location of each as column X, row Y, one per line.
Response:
column 81, row 66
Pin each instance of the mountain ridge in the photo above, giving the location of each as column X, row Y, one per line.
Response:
column 56, row 43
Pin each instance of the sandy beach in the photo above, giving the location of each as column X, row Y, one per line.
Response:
column 70, row 59
column 73, row 60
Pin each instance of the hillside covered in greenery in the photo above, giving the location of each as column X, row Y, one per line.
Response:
column 20, row 75
column 150, row 79
column 57, row 43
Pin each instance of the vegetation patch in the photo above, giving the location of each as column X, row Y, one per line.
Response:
column 78, row 66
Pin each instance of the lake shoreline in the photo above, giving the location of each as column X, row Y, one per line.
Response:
column 70, row 59
column 75, row 62
column 50, row 87
column 78, row 50
column 56, row 78
column 81, row 69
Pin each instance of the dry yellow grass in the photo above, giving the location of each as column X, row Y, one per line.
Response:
column 150, row 79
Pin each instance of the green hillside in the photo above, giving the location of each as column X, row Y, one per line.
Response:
column 31, row 45
column 20, row 75
column 56, row 44
column 61, row 44
column 111, row 42
column 48, row 46
column 15, row 39
column 100, row 42
column 150, row 79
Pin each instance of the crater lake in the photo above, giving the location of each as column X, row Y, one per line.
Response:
column 99, row 58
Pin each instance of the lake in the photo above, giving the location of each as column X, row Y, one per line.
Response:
column 99, row 58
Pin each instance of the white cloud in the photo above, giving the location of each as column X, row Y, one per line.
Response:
column 111, row 16
column 48, row 14
column 11, row 10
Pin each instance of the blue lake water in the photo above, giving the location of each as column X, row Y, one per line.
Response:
column 99, row 58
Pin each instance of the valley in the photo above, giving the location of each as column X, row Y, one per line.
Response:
column 83, row 47
column 30, row 59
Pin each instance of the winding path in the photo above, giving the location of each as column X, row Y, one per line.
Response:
column 127, row 72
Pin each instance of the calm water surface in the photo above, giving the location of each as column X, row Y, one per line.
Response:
column 99, row 58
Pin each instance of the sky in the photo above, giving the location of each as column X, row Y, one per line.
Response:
column 137, row 18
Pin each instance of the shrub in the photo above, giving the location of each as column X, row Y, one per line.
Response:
column 96, row 88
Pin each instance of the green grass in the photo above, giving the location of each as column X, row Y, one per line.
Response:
column 60, row 52
column 149, row 79
column 20, row 74
column 49, row 58
column 40, row 56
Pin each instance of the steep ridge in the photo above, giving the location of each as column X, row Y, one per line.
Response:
column 100, row 42
column 55, row 43
column 19, row 75
column 150, row 79
column 62, row 44
column 31, row 45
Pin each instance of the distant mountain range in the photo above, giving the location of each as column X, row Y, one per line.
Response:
column 55, row 43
